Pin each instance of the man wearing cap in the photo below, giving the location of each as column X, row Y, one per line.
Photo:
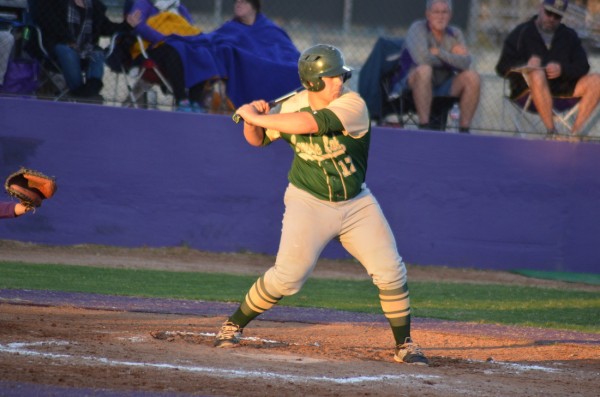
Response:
column 557, row 64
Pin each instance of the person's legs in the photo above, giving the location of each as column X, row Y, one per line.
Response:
column 542, row 98
column 466, row 86
column 588, row 89
column 303, row 237
column 420, row 82
column 94, row 71
column 169, row 62
column 70, row 64
column 197, row 93
column 367, row 236
column 95, row 67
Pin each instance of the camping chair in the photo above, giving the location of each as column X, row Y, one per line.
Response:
column 140, row 74
column 385, row 106
column 525, row 117
column 52, row 83
column 401, row 107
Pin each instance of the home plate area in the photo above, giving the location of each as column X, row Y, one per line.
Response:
column 114, row 346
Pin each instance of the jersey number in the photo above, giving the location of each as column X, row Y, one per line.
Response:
column 347, row 166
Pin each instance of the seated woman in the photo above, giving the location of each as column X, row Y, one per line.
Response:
column 189, row 77
column 259, row 58
column 254, row 56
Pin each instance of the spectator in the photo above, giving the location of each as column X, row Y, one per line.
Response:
column 12, row 210
column 557, row 61
column 435, row 62
column 259, row 58
column 7, row 42
column 188, row 69
column 71, row 30
column 249, row 52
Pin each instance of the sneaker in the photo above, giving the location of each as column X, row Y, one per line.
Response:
column 197, row 108
column 229, row 335
column 410, row 353
column 184, row 106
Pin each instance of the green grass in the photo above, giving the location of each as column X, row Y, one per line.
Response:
column 490, row 303
column 585, row 278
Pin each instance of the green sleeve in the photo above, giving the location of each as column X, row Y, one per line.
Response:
column 327, row 121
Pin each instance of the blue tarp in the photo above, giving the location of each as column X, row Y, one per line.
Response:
column 259, row 61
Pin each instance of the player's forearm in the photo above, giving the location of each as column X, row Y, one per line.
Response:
column 7, row 210
column 289, row 123
column 254, row 135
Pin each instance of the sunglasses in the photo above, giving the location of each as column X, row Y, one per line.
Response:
column 553, row 15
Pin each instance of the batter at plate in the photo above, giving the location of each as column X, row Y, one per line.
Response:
column 328, row 128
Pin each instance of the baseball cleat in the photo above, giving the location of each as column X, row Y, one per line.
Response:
column 410, row 353
column 229, row 335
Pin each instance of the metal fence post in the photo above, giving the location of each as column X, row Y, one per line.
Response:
column 218, row 14
column 347, row 24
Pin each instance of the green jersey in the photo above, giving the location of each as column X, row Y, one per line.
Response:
column 332, row 163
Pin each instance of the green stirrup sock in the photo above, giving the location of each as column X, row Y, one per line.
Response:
column 400, row 328
column 243, row 315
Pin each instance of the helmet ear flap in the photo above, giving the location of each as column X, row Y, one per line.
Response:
column 314, row 85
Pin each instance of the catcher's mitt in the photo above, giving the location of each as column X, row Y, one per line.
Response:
column 30, row 187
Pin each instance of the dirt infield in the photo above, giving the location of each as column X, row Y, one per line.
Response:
column 68, row 344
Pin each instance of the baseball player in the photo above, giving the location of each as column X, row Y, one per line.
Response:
column 328, row 128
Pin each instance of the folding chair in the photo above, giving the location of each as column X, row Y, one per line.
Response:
column 140, row 74
column 385, row 106
column 525, row 116
column 52, row 83
column 403, row 111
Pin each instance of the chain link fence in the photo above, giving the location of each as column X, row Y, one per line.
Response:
column 355, row 25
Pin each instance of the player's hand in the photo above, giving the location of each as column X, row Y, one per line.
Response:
column 261, row 106
column 251, row 109
column 434, row 51
column 20, row 209
column 553, row 70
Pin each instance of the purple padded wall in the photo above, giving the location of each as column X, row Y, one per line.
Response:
column 145, row 178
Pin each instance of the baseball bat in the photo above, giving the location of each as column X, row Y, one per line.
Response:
column 236, row 117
